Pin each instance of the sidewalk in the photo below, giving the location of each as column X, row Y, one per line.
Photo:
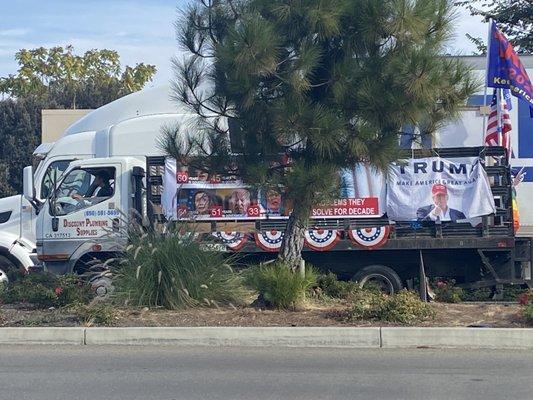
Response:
column 349, row 337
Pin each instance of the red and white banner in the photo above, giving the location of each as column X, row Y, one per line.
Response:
column 350, row 207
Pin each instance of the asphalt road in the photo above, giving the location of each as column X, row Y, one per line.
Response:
column 59, row 372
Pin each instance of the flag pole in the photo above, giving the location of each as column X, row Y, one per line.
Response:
column 499, row 116
column 486, row 84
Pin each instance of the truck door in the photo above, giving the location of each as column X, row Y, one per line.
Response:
column 83, row 211
column 53, row 172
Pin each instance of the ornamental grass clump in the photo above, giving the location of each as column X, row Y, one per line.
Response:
column 279, row 286
column 172, row 271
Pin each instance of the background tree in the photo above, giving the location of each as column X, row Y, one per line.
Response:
column 20, row 131
column 72, row 81
column 55, row 78
column 328, row 83
column 514, row 18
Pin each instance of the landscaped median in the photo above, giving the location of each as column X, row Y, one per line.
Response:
column 168, row 290
column 345, row 337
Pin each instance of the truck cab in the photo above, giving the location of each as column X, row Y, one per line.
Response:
column 85, row 216
column 129, row 126
column 17, row 215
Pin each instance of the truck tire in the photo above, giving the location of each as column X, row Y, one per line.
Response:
column 384, row 277
column 6, row 266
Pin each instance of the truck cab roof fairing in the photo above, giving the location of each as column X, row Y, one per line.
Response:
column 151, row 101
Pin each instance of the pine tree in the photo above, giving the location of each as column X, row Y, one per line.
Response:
column 326, row 82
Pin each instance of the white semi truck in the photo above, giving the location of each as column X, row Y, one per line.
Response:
column 128, row 126
column 68, row 233
column 86, row 220
column 86, row 217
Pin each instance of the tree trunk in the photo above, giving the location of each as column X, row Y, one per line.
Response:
column 290, row 252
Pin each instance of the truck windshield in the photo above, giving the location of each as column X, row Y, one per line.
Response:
column 82, row 188
column 53, row 173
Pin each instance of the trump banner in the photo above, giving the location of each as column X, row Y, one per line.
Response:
column 436, row 189
column 505, row 69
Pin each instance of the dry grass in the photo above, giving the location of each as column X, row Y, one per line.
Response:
column 313, row 313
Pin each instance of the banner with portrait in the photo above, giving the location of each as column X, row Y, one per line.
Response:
column 196, row 195
column 436, row 189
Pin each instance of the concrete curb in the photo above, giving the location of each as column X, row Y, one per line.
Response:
column 346, row 337
column 72, row 336
column 239, row 336
column 485, row 338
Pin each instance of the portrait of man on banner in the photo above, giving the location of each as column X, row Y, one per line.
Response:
column 439, row 210
column 238, row 201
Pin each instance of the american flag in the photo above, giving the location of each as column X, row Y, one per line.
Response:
column 502, row 128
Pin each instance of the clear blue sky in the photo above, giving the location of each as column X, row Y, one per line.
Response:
column 140, row 30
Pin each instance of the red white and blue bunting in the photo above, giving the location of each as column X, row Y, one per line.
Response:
column 233, row 240
column 321, row 239
column 269, row 240
column 370, row 238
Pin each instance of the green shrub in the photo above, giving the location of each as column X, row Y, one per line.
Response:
column 172, row 271
column 404, row 307
column 513, row 292
column 45, row 290
column 525, row 297
column 278, row 285
column 94, row 314
column 366, row 305
column 528, row 313
column 14, row 274
column 71, row 289
column 510, row 293
column 330, row 286
column 481, row 294
column 37, row 289
column 447, row 292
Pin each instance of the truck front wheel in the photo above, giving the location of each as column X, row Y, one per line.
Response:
column 380, row 276
column 6, row 266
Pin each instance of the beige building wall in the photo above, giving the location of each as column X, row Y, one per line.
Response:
column 54, row 122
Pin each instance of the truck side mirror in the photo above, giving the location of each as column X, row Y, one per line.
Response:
column 27, row 184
